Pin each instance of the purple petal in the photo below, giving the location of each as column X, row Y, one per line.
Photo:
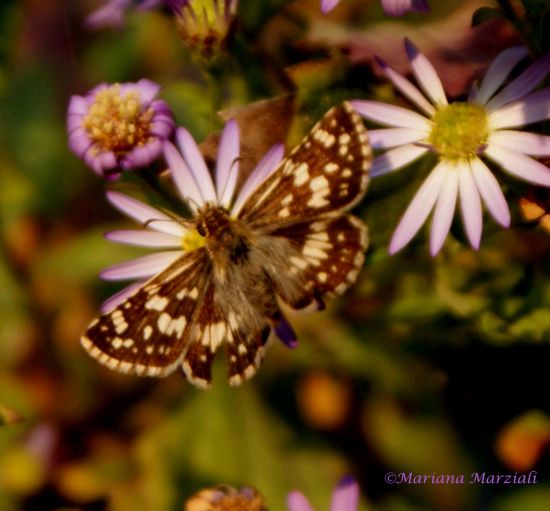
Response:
column 498, row 72
column 346, row 495
column 297, row 502
column 328, row 5
column 147, row 90
column 263, row 170
column 143, row 155
column 227, row 168
column 520, row 141
column 419, row 208
column 533, row 108
column 285, row 333
column 390, row 115
column 393, row 137
column 470, row 205
column 522, row 85
column 141, row 212
column 121, row 296
column 104, row 161
column 400, row 7
column 78, row 106
column 425, row 74
column 407, row 88
column 79, row 142
column 444, row 211
column 520, row 165
column 394, row 159
column 490, row 191
column 110, row 14
column 183, row 177
column 146, row 238
column 196, row 165
column 141, row 267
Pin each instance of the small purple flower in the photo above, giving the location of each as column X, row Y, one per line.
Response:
column 462, row 134
column 112, row 13
column 345, row 498
column 391, row 7
column 119, row 127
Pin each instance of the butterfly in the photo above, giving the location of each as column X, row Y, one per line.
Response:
column 284, row 238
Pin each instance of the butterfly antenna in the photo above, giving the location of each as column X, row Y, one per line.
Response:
column 231, row 169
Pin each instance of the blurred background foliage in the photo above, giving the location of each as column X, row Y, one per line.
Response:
column 427, row 365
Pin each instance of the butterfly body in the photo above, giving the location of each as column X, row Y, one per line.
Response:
column 291, row 242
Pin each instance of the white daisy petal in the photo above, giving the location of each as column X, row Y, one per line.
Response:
column 522, row 85
column 196, row 164
column 182, row 177
column 490, row 191
column 145, row 238
column 470, row 205
column 407, row 88
column 520, row 165
column 533, row 108
column 297, row 502
column 120, row 297
column 425, row 74
column 394, row 159
column 522, row 142
column 391, row 115
column 227, row 168
column 498, row 72
column 444, row 211
column 393, row 137
column 141, row 212
column 419, row 208
column 141, row 267
column 263, row 170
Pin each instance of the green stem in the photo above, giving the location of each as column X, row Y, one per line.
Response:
column 521, row 26
column 151, row 178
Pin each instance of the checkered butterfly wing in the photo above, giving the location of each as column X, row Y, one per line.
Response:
column 304, row 202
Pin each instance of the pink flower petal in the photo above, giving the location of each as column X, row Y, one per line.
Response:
column 147, row 90
column 120, row 297
column 498, row 71
column 183, row 177
column 400, row 7
column 533, row 108
column 490, row 191
column 346, row 496
column 145, row 238
column 444, row 210
column 141, row 212
column 393, row 137
column 297, row 502
column 390, row 115
column 328, row 5
column 470, row 205
column 419, row 208
column 520, row 141
column 522, row 85
column 394, row 159
column 227, row 169
column 425, row 75
column 407, row 88
column 141, row 267
column 520, row 165
column 262, row 171
column 196, row 165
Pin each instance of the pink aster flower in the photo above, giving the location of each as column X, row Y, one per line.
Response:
column 195, row 186
column 391, row 7
column 345, row 498
column 119, row 127
column 112, row 13
column 462, row 134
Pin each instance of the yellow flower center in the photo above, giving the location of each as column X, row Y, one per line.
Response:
column 459, row 131
column 239, row 503
column 192, row 240
column 118, row 122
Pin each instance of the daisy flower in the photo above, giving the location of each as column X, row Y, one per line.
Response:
column 119, row 127
column 345, row 498
column 462, row 134
column 391, row 7
column 195, row 186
